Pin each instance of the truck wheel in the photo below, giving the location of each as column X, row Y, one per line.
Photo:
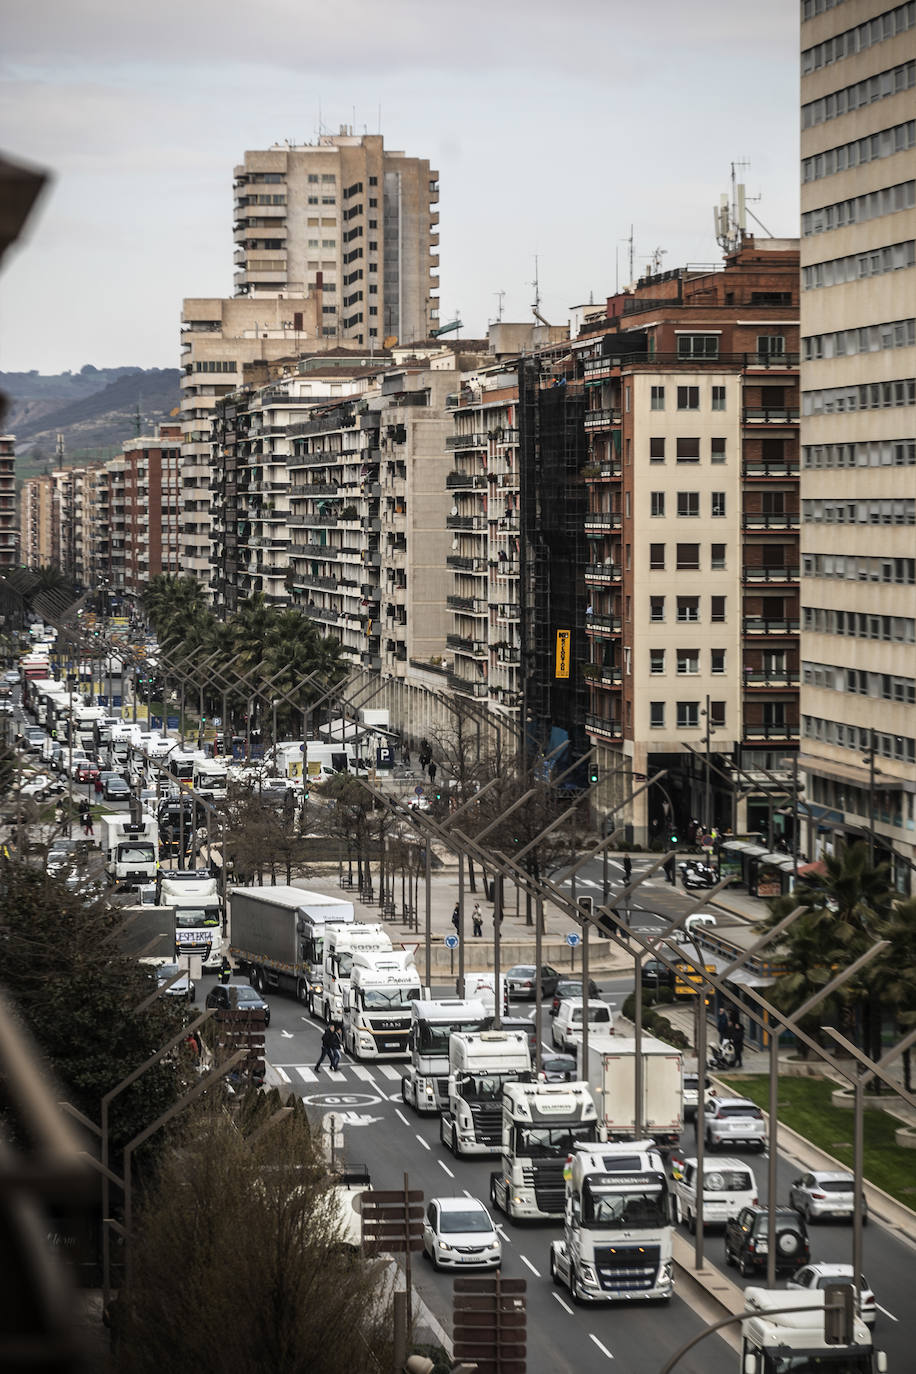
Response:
column 574, row 1292
column 302, row 991
column 745, row 1268
column 453, row 1142
column 691, row 1222
column 553, row 1267
column 404, row 1098
column 494, row 1198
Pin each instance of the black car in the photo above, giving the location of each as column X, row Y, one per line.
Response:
column 656, row 975
column 571, row 987
column 238, row 997
column 521, row 981
column 746, row 1240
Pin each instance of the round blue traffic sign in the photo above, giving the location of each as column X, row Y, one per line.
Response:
column 419, row 791
column 451, row 942
column 572, row 939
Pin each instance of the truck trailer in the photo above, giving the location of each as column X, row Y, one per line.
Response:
column 611, row 1076
column 277, row 934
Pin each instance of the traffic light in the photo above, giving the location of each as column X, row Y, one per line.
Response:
column 592, row 774
column 672, row 838
column 839, row 1313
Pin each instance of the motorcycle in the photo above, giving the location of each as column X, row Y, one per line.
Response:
column 696, row 873
column 722, row 1056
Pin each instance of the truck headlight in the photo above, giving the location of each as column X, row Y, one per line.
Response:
column 587, row 1273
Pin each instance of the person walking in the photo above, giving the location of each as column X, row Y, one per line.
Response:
column 86, row 818
column 330, row 1047
column 225, row 970
column 456, row 918
column 722, row 1025
column 627, row 868
column 737, row 1039
column 477, row 921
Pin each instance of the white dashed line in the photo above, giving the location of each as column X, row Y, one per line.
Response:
column 425, row 1143
column 535, row 1272
column 502, row 1235
column 603, row 1348
column 282, row 1075
column 886, row 1313
column 445, row 1168
column 402, row 1116
column 564, row 1306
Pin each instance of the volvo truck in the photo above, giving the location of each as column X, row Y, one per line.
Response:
column 774, row 1341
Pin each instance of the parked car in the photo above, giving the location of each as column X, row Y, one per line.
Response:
column 734, row 1121
column 521, row 981
column 115, row 788
column 656, row 975
column 571, row 987
column 559, row 1068
column 87, row 770
column 817, row 1276
column 238, row 997
column 458, row 1233
column 746, row 1239
column 566, row 1031
column 728, row 1186
column 825, row 1194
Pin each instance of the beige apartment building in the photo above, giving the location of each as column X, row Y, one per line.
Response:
column 35, row 520
column 858, row 424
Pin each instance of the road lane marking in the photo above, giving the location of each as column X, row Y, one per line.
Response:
column 389, row 1071
column 307, row 1075
column 564, row 1305
column 886, row 1313
column 603, row 1348
column 535, row 1272
column 503, row 1236
column 336, row 1076
column 402, row 1116
column 363, row 1073
column 282, row 1074
column 425, row 1143
column 445, row 1168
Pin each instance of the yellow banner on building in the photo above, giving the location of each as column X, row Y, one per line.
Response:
column 563, row 637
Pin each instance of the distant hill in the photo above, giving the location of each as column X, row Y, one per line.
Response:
column 95, row 410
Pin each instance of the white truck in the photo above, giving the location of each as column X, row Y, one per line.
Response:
column 611, row 1076
column 617, row 1231
column 198, row 907
column 210, row 777
column 131, row 850
column 795, row 1340
column 425, row 1084
column 481, row 1066
column 377, row 1005
column 341, row 944
column 481, row 987
column 542, row 1122
column 277, row 936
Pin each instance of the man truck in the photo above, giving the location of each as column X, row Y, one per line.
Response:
column 611, row 1077
column 425, row 1084
column 376, row 1005
column 617, row 1231
column 542, row 1122
column 277, row 935
column 481, row 1066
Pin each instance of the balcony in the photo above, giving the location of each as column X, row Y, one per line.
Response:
column 466, row 605
column 604, row 729
column 770, row 415
column 783, row 681
column 782, row 731
column 758, row 470
column 602, row 522
column 602, row 624
column 465, row 480
column 601, row 419
column 609, row 467
column 756, row 625
column 463, row 441
column 463, row 644
column 758, row 574
column 508, row 611
column 602, row 676
column 784, row 520
column 468, row 565
column 601, row 574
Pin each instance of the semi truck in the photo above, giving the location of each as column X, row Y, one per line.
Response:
column 611, row 1076
column 194, row 896
column 277, row 936
column 542, row 1122
column 340, row 946
column 776, row 1341
column 425, row 1084
column 131, row 850
column 617, row 1231
column 148, row 932
column 376, row 1006
column 481, row 1066
column 481, row 987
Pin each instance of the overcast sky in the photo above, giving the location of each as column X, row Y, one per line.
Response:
column 554, row 125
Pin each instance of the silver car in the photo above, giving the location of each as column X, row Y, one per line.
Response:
column 825, row 1194
column 817, row 1276
column 734, row 1121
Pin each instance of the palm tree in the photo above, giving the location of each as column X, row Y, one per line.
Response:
column 896, row 972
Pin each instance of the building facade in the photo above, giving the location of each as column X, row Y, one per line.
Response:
column 858, row 434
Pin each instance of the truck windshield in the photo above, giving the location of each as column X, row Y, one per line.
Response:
column 433, row 1038
column 546, row 1142
column 484, row 1085
column 191, row 918
column 816, row 1361
column 136, row 852
column 380, row 999
column 608, row 1209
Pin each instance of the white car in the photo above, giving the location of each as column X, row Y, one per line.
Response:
column 566, row 1027
column 37, row 786
column 734, row 1121
column 728, row 1185
column 825, row 1194
column 817, row 1276
column 458, row 1233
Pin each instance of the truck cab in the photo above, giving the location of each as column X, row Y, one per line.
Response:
column 131, row 850
column 377, row 1004
column 480, row 1066
column 796, row 1339
column 341, row 944
column 541, row 1124
column 425, row 1084
column 617, row 1230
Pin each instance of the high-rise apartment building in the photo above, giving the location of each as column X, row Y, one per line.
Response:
column 9, row 535
column 35, row 513
column 858, row 424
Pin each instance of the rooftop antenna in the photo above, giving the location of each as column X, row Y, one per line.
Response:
column 630, row 240
column 499, row 311
column 655, row 261
column 536, row 307
column 730, row 215
column 138, row 422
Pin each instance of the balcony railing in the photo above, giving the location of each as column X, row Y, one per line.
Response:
column 602, row 572
column 757, row 574
column 468, row 565
column 770, row 415
column 784, row 520
column 459, row 441
column 464, row 480
column 601, row 419
column 788, row 678
column 602, row 624
column 601, row 521
column 780, row 731
column 607, row 729
column 466, row 605
column 756, row 625
column 754, row 468
column 466, row 522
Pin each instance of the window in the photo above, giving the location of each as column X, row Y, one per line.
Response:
column 717, row 661
column 688, row 714
column 717, row 450
column 717, row 604
column 770, row 346
column 688, row 450
column 698, row 346
column 656, row 713
column 717, row 557
column 774, row 662
column 658, row 398
column 656, row 609
column 656, row 661
column 688, row 661
column 717, row 713
column 656, row 450
column 657, row 502
column 688, row 503
column 688, row 555
column 688, row 398
column 688, row 609
column 718, row 503
column 626, row 504
column 657, row 556
column 718, row 398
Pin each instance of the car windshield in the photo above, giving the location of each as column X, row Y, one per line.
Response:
column 814, row 1362
column 472, row 1220
column 740, row 1109
column 247, row 997
column 483, row 1085
column 166, row 971
column 377, row 999
column 546, row 1142
column 521, row 971
column 726, row 1181
column 612, row 1209
column 135, row 851
column 191, row 917
column 834, row 1185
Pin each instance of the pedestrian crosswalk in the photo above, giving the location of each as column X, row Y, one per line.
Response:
column 379, row 1075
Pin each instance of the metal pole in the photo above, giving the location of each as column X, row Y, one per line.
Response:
column 701, row 1119
column 497, row 922
column 795, row 817
column 460, row 920
column 586, row 928
column 871, row 798
column 707, row 819
column 858, row 1158
column 774, row 1151
column 538, row 988
column 637, row 1051
column 429, row 933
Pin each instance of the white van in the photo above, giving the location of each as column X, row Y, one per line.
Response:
column 728, row 1185
column 566, row 1028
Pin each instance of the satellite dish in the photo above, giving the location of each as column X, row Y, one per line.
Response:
column 454, row 510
